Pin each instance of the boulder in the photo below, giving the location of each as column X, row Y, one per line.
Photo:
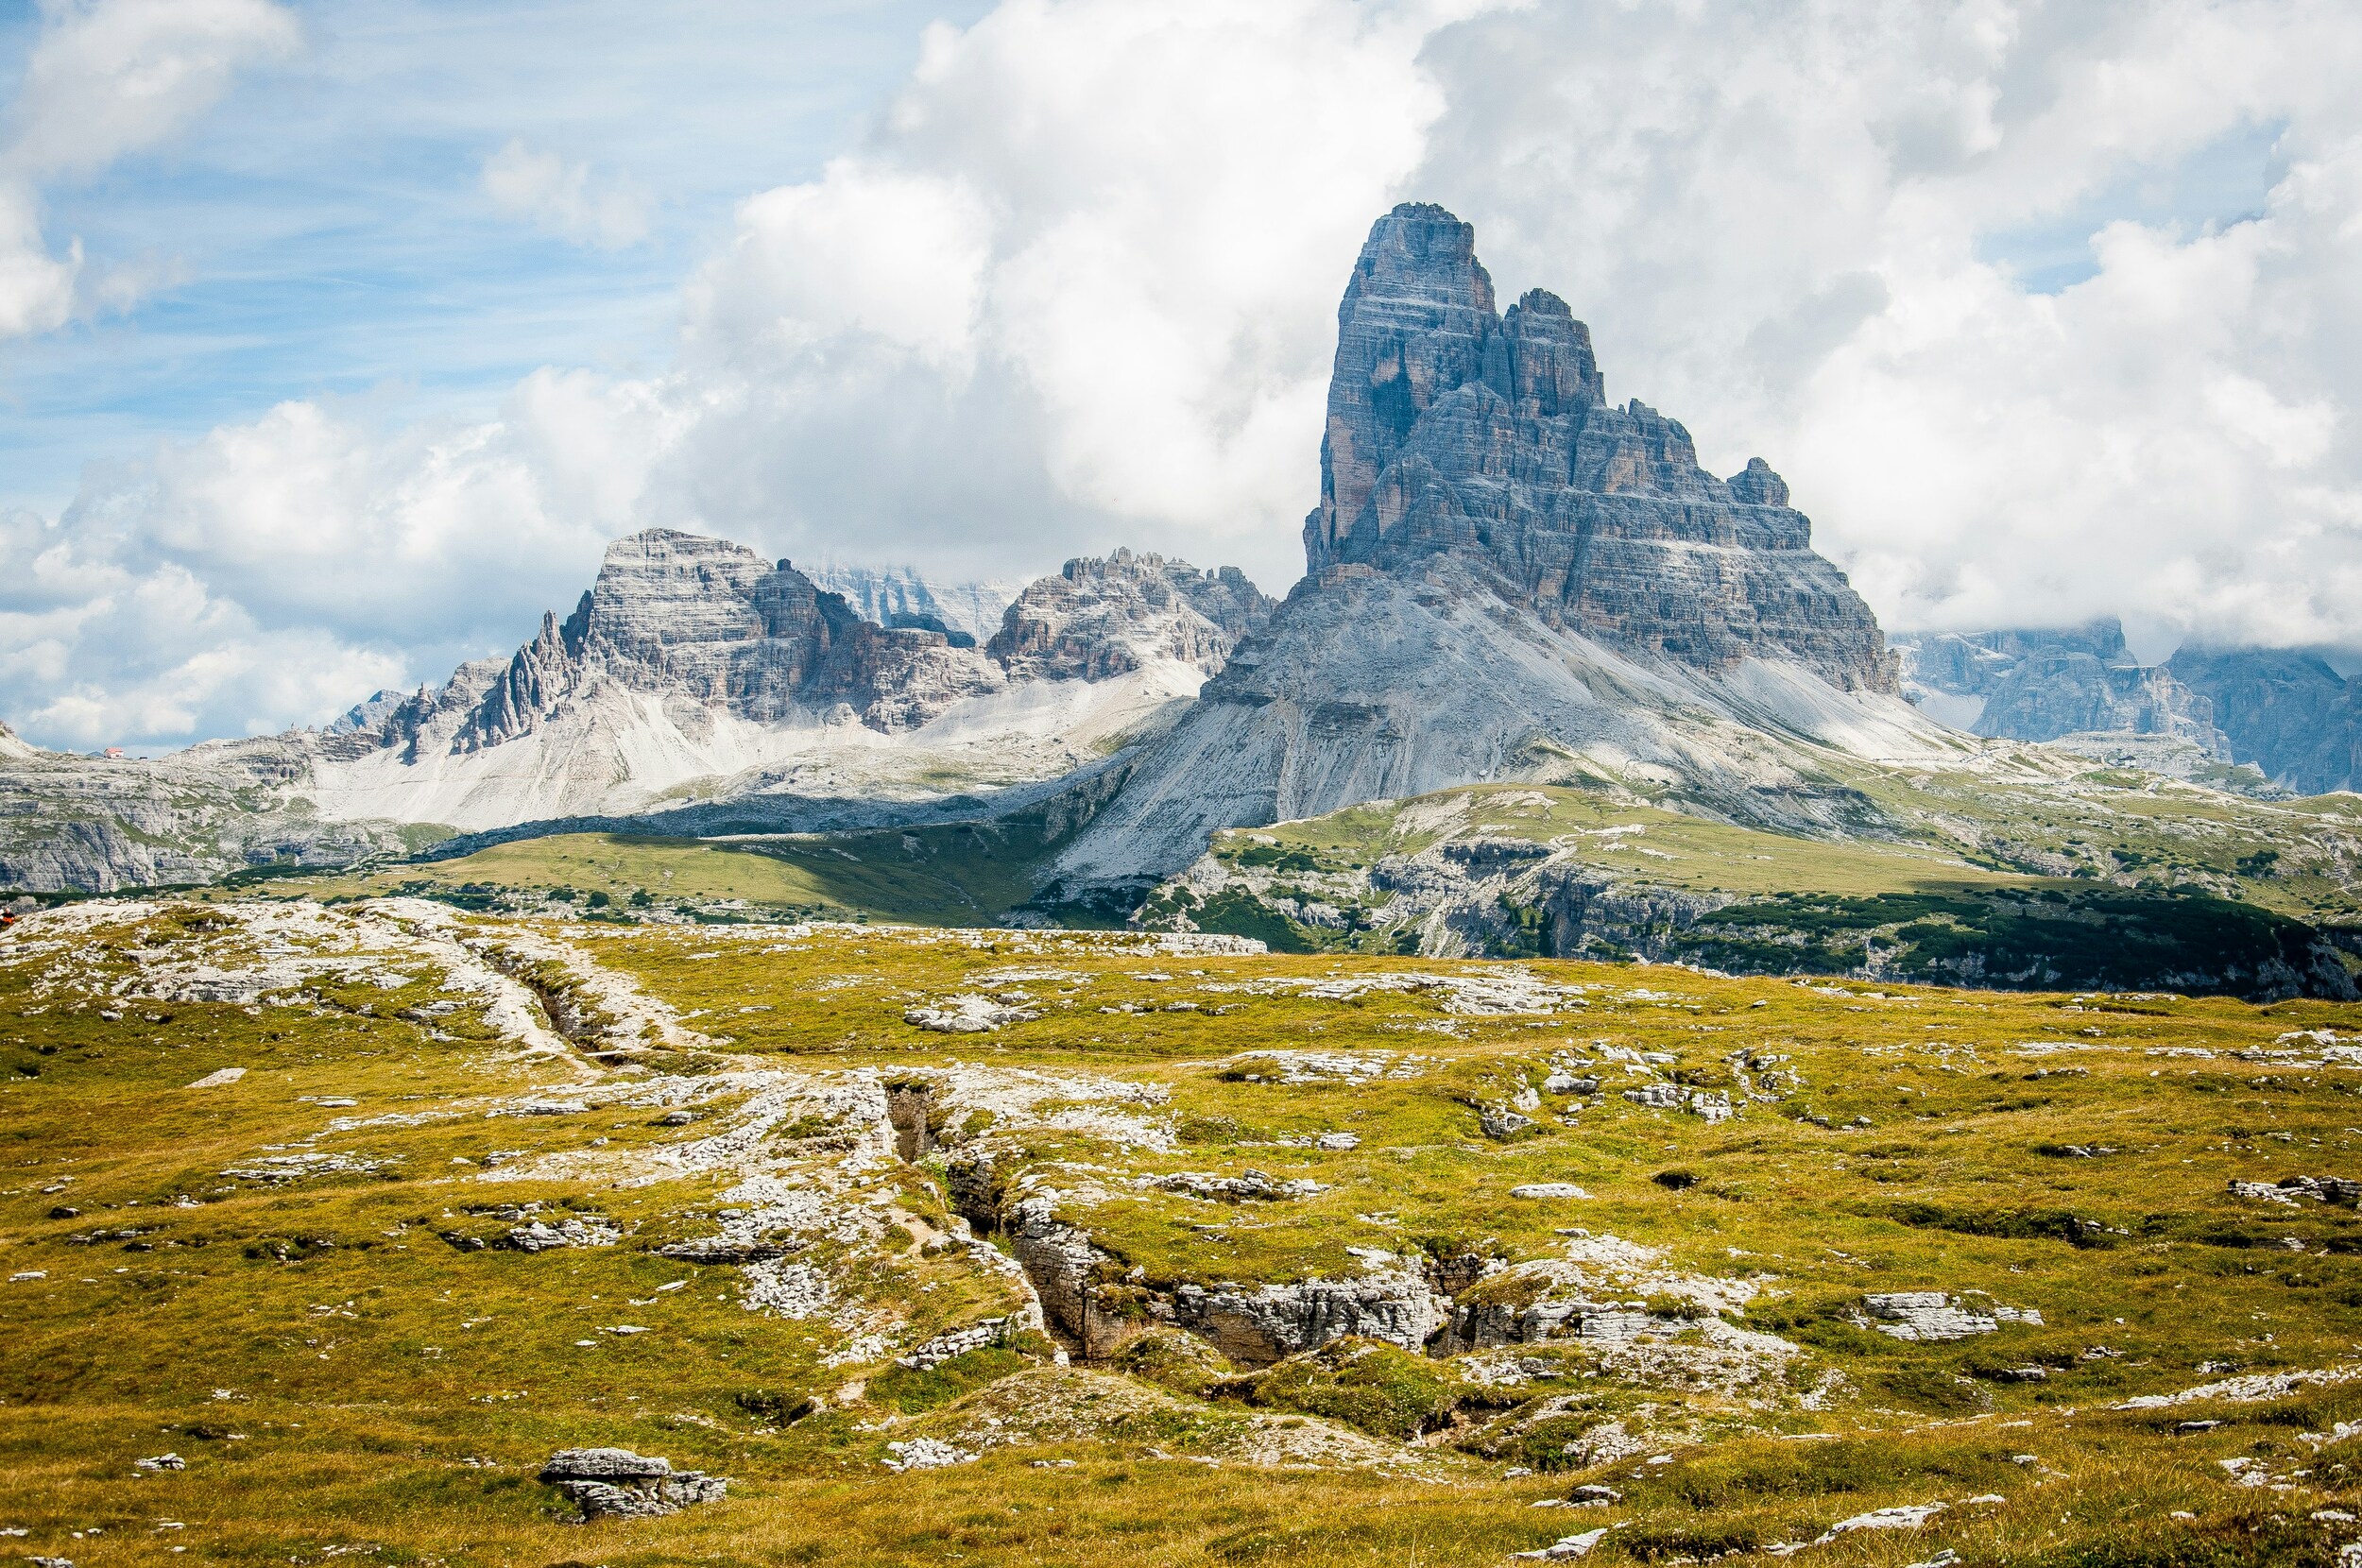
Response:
column 618, row 1483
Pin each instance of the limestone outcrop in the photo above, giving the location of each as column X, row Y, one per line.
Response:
column 2038, row 685
column 1510, row 577
column 1099, row 618
column 620, row 1484
column 1457, row 429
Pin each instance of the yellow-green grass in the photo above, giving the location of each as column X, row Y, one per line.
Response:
column 1962, row 832
column 1670, row 848
column 954, row 873
column 361, row 1394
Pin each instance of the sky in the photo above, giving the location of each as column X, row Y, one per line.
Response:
column 337, row 339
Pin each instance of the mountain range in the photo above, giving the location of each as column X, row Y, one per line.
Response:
column 693, row 672
column 2285, row 712
column 1509, row 579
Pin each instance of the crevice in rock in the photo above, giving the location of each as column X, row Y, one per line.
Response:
column 909, row 1105
column 576, row 1020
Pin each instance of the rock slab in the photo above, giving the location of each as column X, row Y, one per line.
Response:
column 618, row 1483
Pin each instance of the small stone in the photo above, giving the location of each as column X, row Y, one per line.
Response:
column 1500, row 1123
column 1548, row 1189
column 1567, row 1548
column 161, row 1462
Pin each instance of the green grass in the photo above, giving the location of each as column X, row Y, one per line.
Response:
column 2016, row 888
column 339, row 1372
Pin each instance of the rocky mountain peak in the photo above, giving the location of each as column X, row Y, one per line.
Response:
column 1456, row 431
column 1102, row 616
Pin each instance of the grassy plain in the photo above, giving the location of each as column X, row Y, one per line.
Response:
column 284, row 1291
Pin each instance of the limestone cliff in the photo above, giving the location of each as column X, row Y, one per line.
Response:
column 1455, row 430
column 1102, row 618
column 1509, row 577
column 2284, row 712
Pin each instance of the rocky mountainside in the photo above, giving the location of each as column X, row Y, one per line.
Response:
column 2038, row 685
column 1510, row 577
column 691, row 671
column 1097, row 620
column 2287, row 715
column 97, row 823
column 2287, row 712
column 902, row 596
column 1457, row 431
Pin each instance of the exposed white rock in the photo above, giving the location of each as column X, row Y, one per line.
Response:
column 970, row 1012
column 1909, row 1516
column 1932, row 1315
column 926, row 1453
column 1567, row 1548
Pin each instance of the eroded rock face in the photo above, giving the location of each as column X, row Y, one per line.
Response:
column 1102, row 618
column 2287, row 712
column 690, row 662
column 2041, row 685
column 1510, row 577
column 713, row 622
column 1455, row 429
column 104, row 823
column 1265, row 1324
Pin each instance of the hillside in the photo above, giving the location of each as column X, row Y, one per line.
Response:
column 333, row 1225
column 2084, row 884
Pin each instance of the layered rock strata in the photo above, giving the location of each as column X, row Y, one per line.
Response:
column 1510, row 577
column 1454, row 429
column 692, row 673
column 1099, row 618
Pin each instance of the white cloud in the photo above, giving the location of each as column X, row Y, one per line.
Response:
column 566, row 199
column 1772, row 216
column 111, row 77
column 107, row 77
column 1115, row 231
column 36, row 288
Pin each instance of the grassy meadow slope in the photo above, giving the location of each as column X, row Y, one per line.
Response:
column 2088, row 883
column 482, row 1187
